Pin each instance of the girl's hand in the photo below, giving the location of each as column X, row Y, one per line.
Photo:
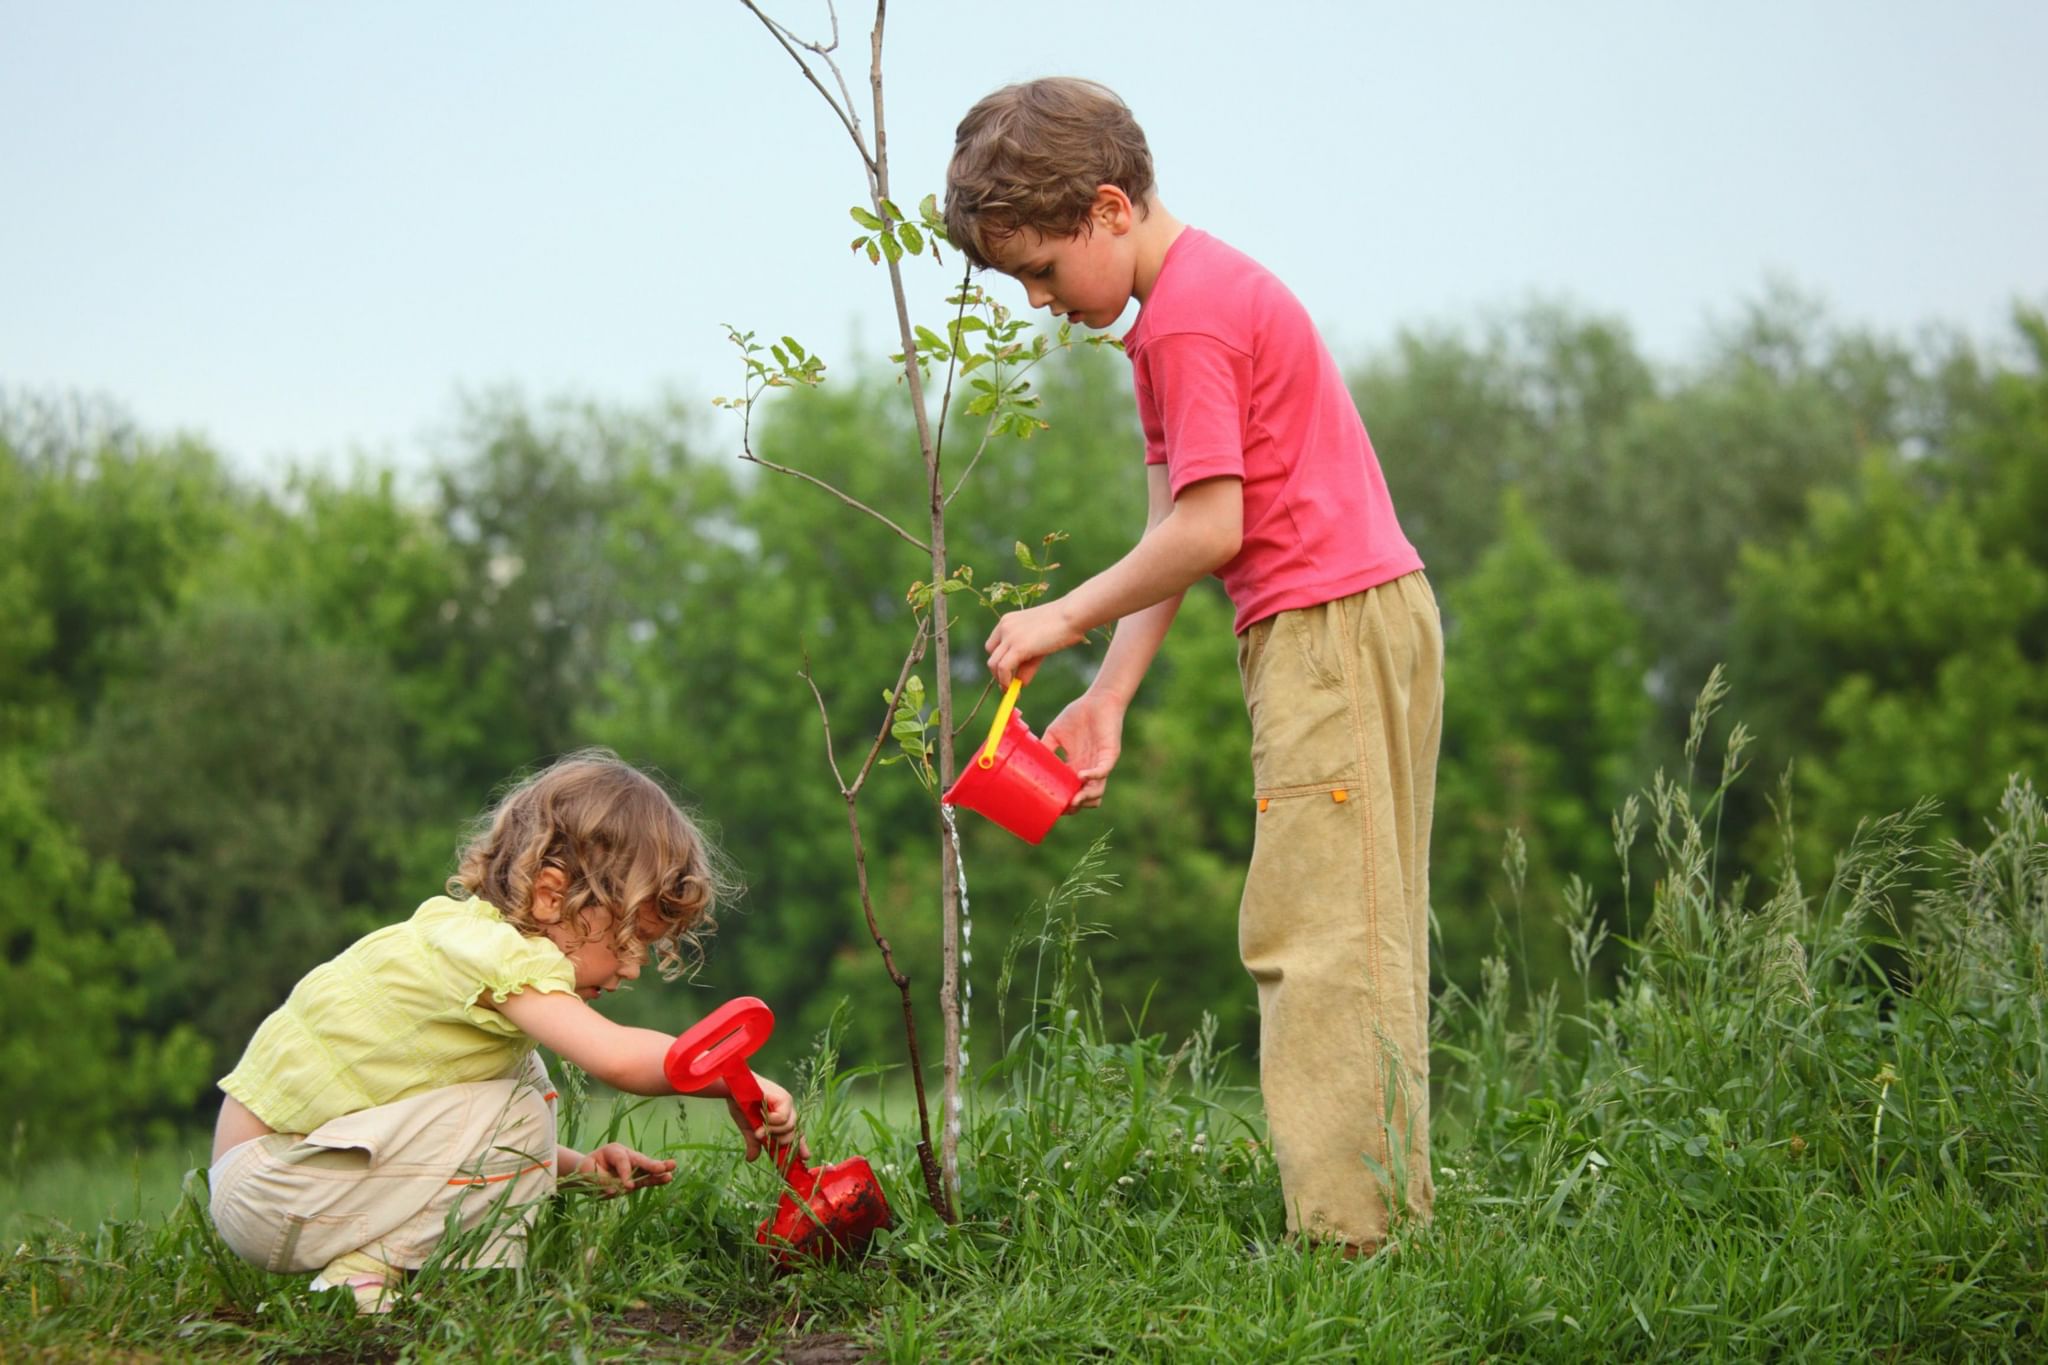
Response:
column 778, row 1114
column 615, row 1168
column 1090, row 735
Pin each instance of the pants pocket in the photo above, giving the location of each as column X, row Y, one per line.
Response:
column 1304, row 735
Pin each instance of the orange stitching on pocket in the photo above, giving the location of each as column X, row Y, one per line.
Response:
column 1263, row 803
column 1340, row 795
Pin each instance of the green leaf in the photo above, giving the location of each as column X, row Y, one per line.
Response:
column 1024, row 558
column 912, row 239
column 928, row 210
column 889, row 208
column 794, row 349
column 892, row 249
column 865, row 219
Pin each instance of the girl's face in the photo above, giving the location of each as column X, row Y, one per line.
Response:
column 592, row 950
column 590, row 942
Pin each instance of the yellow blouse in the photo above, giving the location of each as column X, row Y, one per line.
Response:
column 396, row 1014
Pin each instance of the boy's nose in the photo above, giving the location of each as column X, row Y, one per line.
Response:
column 1038, row 298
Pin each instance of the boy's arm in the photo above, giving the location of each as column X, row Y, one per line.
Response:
column 1186, row 539
column 1139, row 634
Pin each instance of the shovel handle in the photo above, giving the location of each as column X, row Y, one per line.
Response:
column 715, row 1049
column 746, row 1092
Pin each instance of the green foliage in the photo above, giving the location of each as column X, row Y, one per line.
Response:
column 98, row 533
column 79, row 979
column 1910, row 646
column 251, row 784
column 1544, row 711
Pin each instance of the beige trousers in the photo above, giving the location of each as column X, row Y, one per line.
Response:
column 1346, row 703
column 394, row 1181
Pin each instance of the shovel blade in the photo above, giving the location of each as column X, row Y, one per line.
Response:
column 842, row 1214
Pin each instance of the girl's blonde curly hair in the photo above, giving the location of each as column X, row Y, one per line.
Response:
column 620, row 842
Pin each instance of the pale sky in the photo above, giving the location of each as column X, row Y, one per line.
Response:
column 303, row 230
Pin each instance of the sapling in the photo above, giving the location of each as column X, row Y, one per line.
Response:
column 981, row 344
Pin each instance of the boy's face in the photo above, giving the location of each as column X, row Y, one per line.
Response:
column 1086, row 278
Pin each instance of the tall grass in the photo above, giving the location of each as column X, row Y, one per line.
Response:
column 1764, row 1121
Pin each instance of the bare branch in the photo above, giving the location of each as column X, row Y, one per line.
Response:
column 924, row 633
column 987, row 688
column 751, row 458
column 824, row 719
column 789, row 44
column 952, row 371
column 934, row 1175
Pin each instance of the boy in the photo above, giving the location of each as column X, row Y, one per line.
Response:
column 1259, row 471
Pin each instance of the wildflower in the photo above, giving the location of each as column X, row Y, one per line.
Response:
column 1124, row 1179
column 1797, row 1146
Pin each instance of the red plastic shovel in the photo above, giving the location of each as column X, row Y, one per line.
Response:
column 824, row 1213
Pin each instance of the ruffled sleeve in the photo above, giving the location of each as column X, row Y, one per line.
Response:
column 478, row 953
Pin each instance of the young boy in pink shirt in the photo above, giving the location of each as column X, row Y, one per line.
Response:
column 1259, row 471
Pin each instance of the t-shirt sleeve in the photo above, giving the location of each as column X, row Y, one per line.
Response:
column 1199, row 387
column 481, row 956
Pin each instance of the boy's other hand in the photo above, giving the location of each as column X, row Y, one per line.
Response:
column 1090, row 735
column 1022, row 638
column 778, row 1121
column 616, row 1168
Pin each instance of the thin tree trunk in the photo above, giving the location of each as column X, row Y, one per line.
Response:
column 949, row 867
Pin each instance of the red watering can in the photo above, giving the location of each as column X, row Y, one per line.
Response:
column 1016, row 780
column 825, row 1212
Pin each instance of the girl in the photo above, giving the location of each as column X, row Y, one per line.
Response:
column 397, row 1095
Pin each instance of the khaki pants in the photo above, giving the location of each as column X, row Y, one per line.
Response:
column 1346, row 703
column 388, row 1181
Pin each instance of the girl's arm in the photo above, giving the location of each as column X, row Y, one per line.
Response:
column 631, row 1059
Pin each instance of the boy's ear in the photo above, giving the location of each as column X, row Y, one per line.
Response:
column 1112, row 211
column 546, row 904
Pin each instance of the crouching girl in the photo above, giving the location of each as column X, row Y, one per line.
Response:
column 396, row 1098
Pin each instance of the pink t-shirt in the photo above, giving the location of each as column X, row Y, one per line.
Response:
column 1232, row 379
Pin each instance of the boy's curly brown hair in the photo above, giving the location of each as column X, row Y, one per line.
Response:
column 1033, row 156
column 620, row 841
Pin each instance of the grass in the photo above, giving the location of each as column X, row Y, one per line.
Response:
column 1798, row 1125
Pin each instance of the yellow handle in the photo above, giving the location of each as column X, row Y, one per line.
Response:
column 995, row 732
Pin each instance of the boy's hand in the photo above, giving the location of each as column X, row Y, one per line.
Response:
column 1090, row 735
column 778, row 1114
column 615, row 1168
column 1022, row 638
